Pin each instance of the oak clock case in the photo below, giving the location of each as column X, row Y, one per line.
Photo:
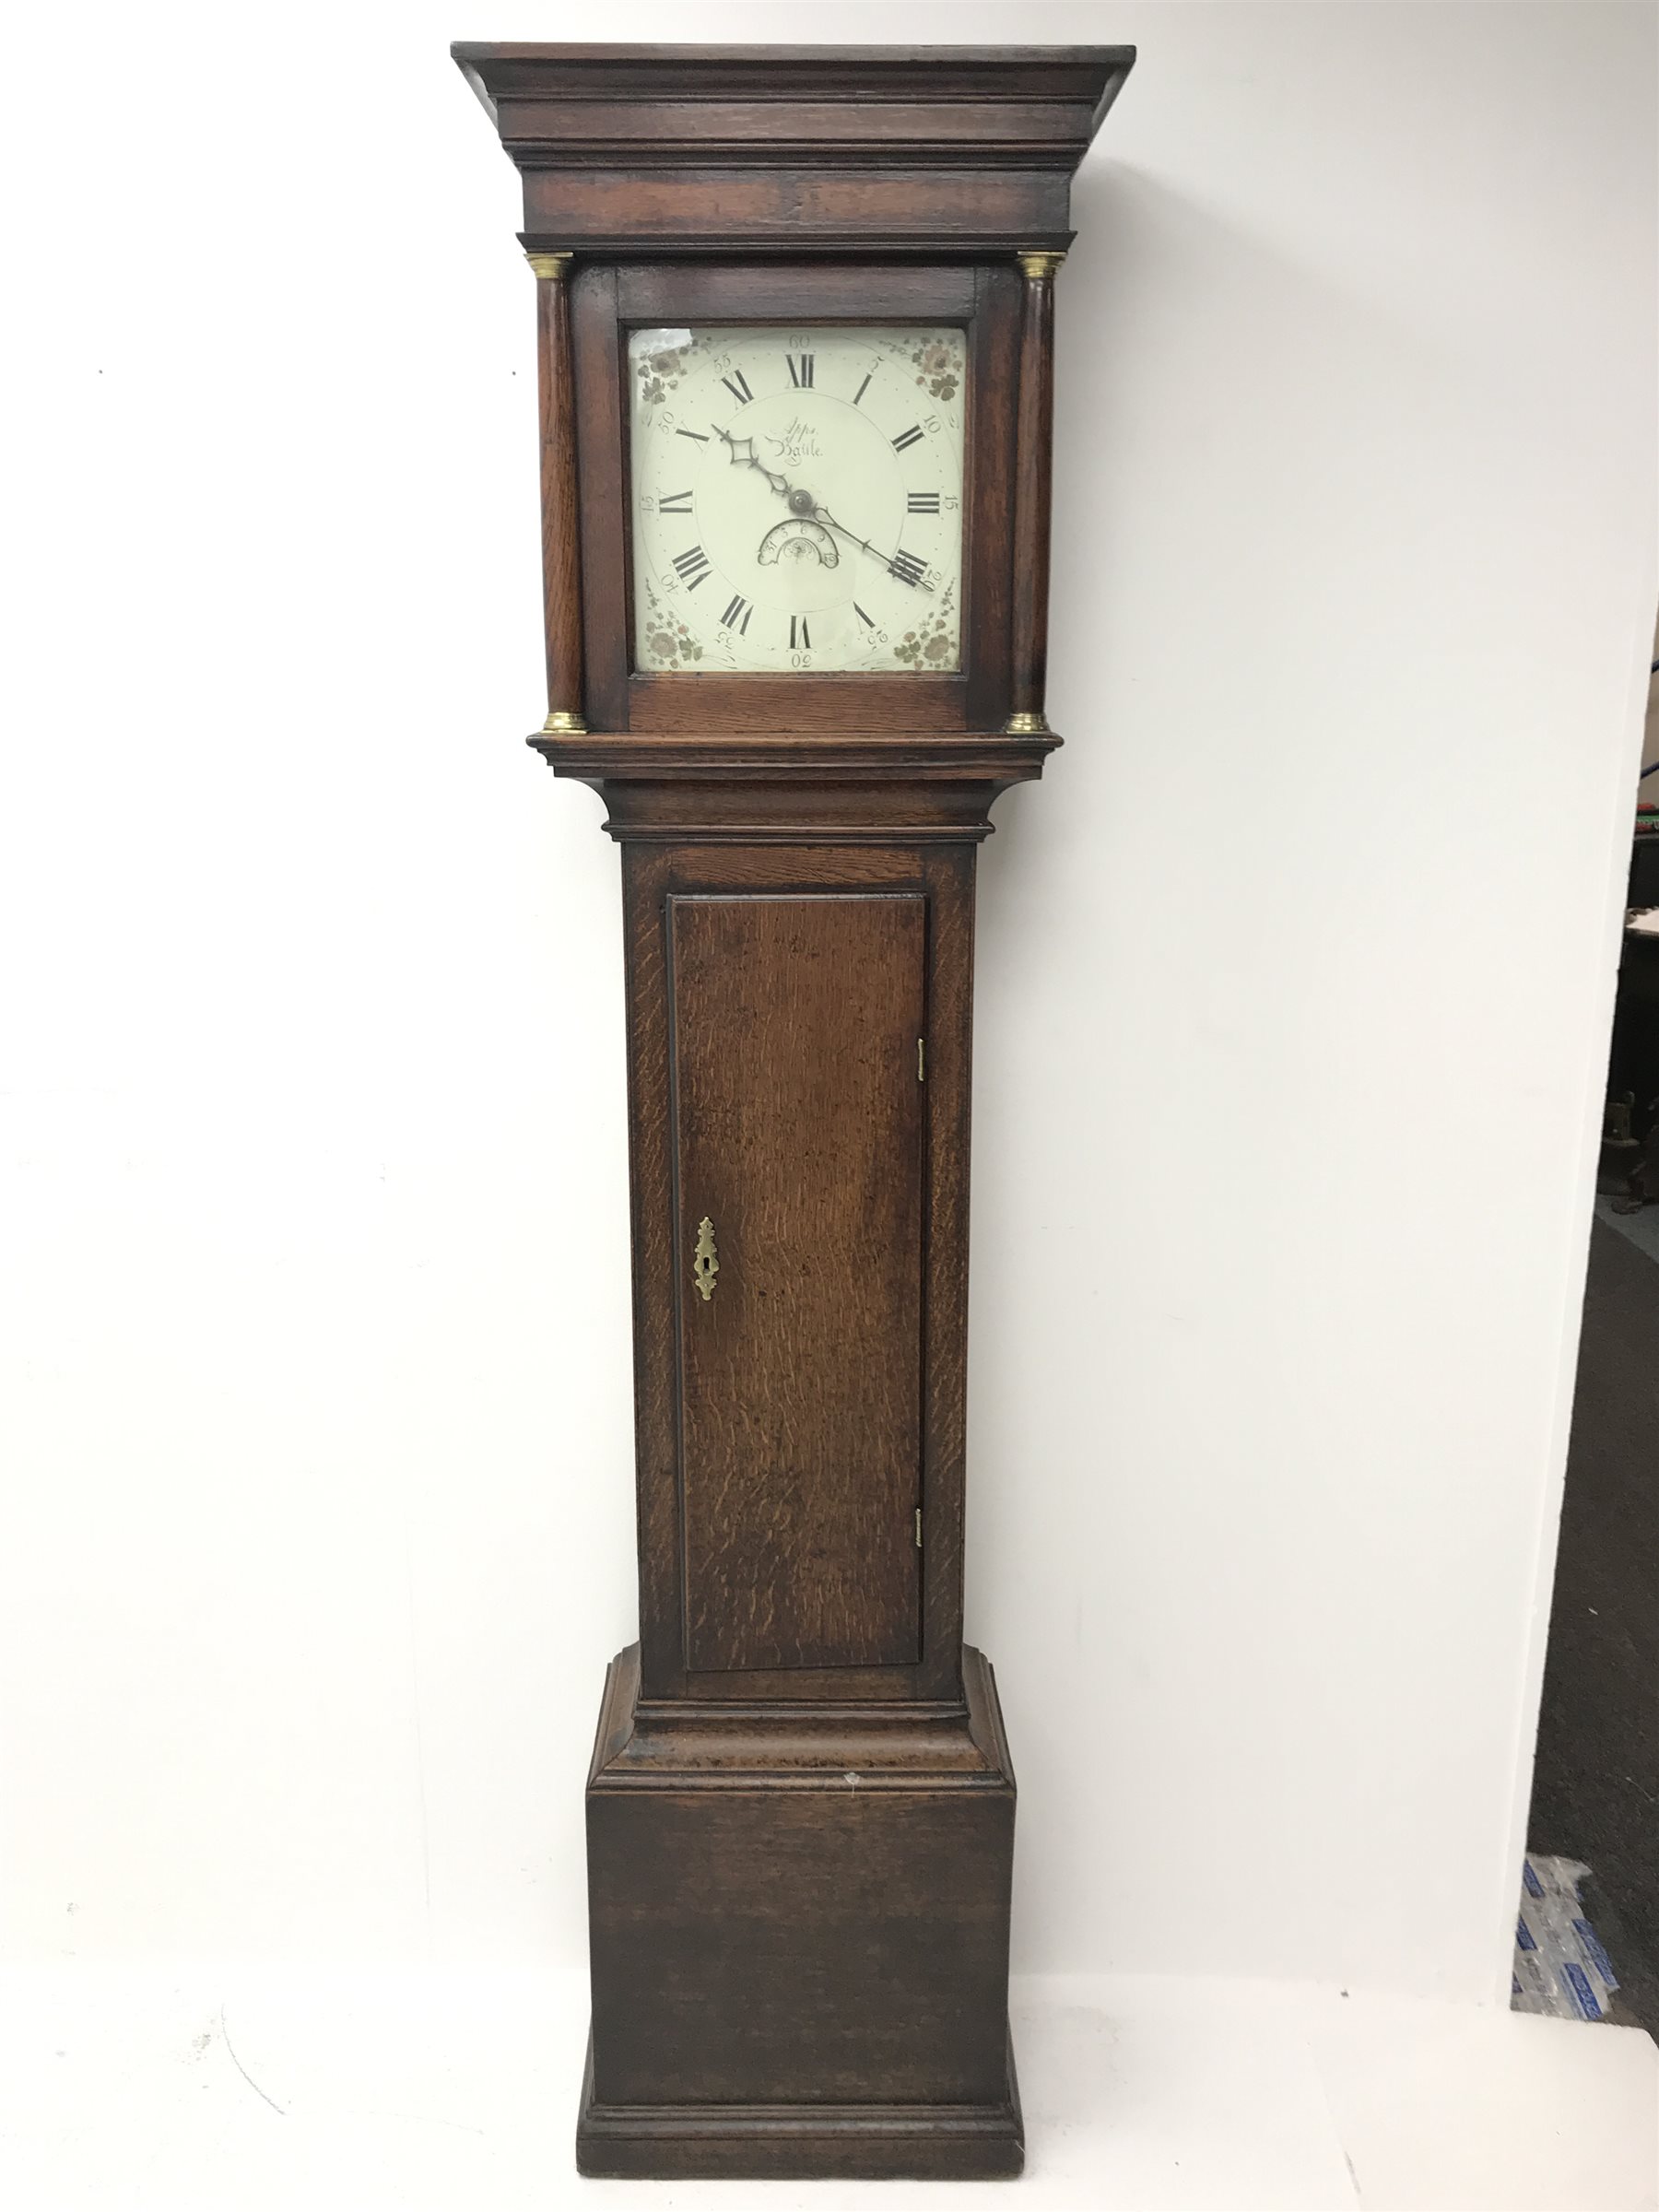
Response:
column 795, row 336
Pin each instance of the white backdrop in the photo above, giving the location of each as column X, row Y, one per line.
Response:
column 1295, row 979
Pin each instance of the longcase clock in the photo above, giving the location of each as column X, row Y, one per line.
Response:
column 795, row 312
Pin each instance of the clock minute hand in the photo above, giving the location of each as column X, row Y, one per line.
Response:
column 889, row 563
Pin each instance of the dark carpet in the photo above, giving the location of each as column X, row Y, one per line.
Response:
column 1595, row 1788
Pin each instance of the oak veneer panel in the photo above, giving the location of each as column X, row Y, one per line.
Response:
column 575, row 125
column 742, row 292
column 658, row 206
column 921, row 705
column 808, row 1944
column 798, row 1132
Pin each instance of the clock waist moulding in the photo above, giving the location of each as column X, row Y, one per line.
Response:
column 800, row 1810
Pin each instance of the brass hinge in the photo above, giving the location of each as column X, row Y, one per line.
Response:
column 918, row 1528
column 921, row 1060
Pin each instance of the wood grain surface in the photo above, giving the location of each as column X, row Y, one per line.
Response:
column 1033, row 493
column 800, row 1927
column 561, row 564
column 853, row 149
column 798, row 1106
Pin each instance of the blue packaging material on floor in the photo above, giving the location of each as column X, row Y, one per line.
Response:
column 1561, row 1967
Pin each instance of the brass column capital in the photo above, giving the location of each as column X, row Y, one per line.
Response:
column 1038, row 265
column 549, row 268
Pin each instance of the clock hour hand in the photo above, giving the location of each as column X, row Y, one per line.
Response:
column 897, row 564
column 781, row 485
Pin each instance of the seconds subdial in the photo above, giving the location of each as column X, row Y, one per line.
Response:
column 798, row 539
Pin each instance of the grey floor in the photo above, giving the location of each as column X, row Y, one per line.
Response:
column 1641, row 1229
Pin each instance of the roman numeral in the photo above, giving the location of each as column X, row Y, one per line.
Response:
column 679, row 503
column 693, row 566
column 736, row 615
column 907, row 568
column 738, row 385
column 923, row 502
column 800, row 372
column 907, row 436
column 805, row 638
column 696, row 434
column 863, row 388
column 868, row 619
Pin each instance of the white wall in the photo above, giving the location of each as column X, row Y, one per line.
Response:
column 1294, row 984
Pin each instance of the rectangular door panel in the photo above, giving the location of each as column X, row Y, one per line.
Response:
column 798, row 1137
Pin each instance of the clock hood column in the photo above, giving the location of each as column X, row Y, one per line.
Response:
column 1034, row 478
column 561, row 568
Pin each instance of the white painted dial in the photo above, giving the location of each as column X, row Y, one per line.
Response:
column 797, row 499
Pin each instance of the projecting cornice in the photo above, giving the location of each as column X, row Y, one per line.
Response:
column 796, row 148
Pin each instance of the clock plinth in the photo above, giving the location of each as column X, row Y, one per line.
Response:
column 795, row 315
column 799, row 1934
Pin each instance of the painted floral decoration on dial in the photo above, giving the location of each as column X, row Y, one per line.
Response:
column 797, row 499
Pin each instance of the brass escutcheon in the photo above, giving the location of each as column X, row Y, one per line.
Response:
column 705, row 1260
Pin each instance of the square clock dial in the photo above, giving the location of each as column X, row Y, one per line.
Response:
column 797, row 499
